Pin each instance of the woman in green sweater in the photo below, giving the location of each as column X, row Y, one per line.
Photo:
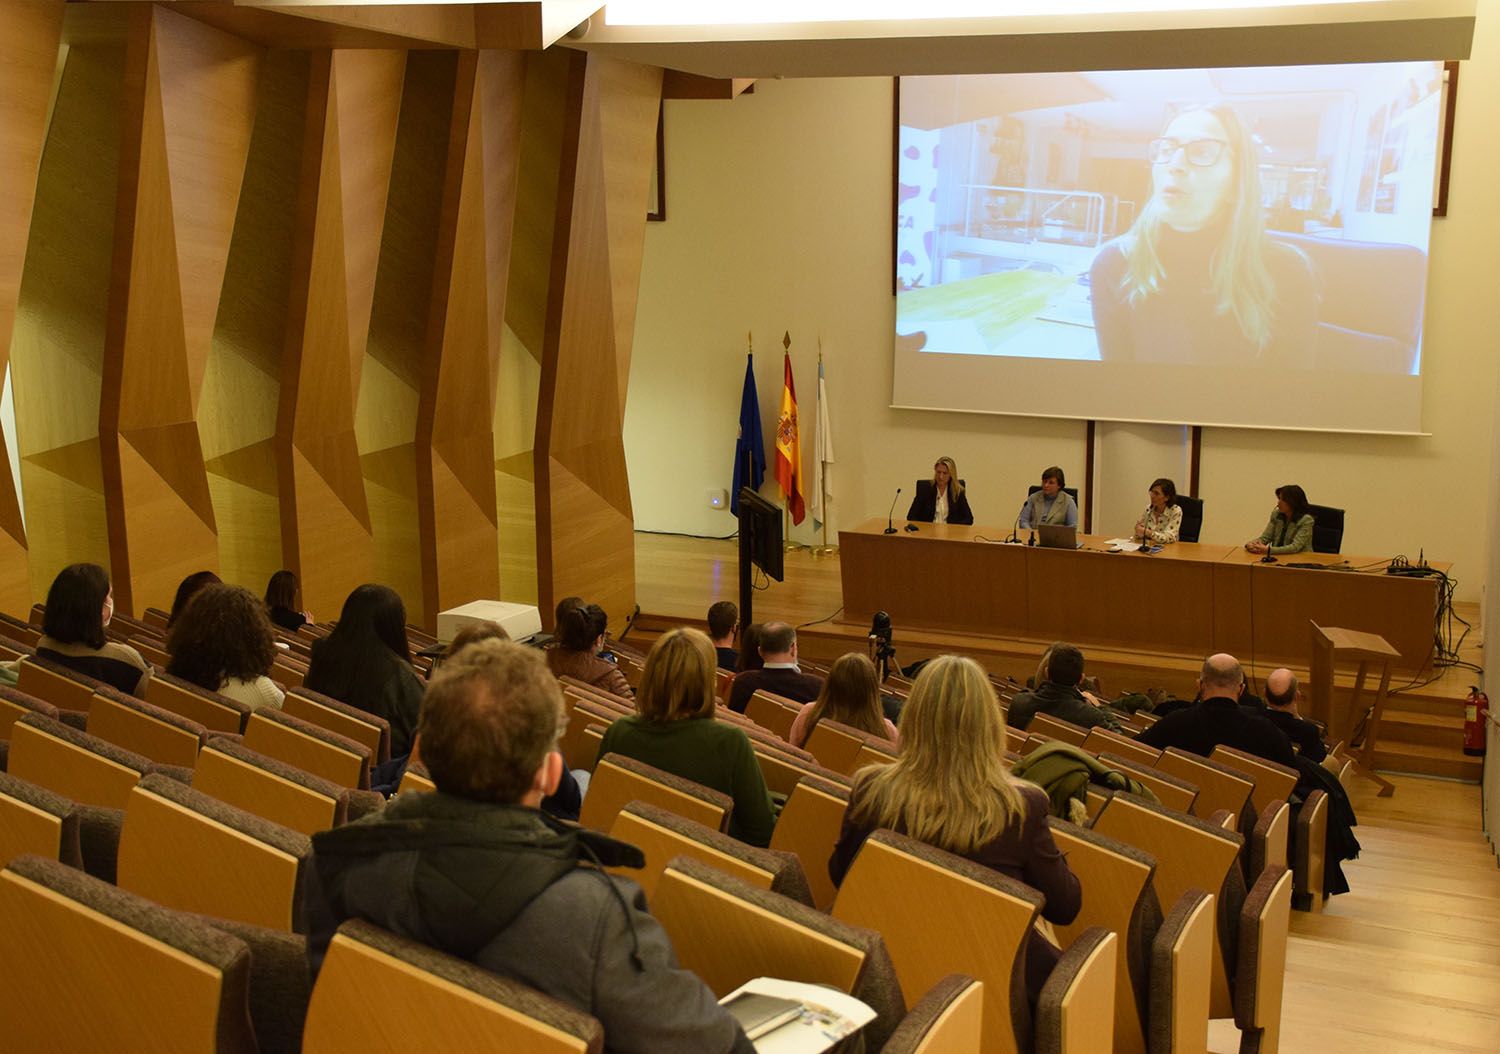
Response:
column 674, row 730
column 1290, row 528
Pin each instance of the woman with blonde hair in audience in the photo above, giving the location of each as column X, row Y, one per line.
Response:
column 222, row 641
column 952, row 789
column 80, row 603
column 850, row 696
column 674, row 730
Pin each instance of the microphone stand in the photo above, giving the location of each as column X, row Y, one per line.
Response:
column 890, row 517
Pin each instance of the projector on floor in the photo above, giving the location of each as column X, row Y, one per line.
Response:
column 519, row 620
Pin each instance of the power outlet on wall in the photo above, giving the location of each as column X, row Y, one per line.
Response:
column 718, row 499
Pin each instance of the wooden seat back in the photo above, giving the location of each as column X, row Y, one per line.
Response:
column 74, row 764
column 1049, row 727
column 1172, row 792
column 773, row 712
column 288, row 671
column 210, row 709
column 309, row 747
column 1103, row 741
column 809, row 827
column 1265, row 923
column 348, row 721
column 1181, row 969
column 1270, row 841
column 1218, row 787
column 947, row 1020
column 1272, row 782
column 90, row 967
column 185, row 850
column 35, row 820
column 941, row 914
column 413, row 780
column 268, row 788
column 16, row 704
column 873, row 754
column 836, row 745
column 156, row 618
column 1309, row 849
column 655, row 833
column 1075, row 1012
column 150, row 731
column 46, row 681
column 1190, row 854
column 378, row 991
column 151, row 650
column 618, row 780
column 579, row 749
column 783, row 771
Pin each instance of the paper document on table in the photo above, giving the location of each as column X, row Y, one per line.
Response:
column 827, row 1016
column 1124, row 545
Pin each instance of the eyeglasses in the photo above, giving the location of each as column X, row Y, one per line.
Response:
column 1199, row 152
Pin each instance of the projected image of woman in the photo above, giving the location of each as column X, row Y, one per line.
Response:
column 1196, row 279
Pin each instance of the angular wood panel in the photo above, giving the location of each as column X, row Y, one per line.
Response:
column 190, row 109
column 30, row 33
column 585, row 526
column 354, row 102
column 455, row 424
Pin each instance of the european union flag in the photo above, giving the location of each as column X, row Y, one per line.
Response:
column 749, row 447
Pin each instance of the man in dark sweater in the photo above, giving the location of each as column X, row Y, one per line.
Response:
column 1059, row 696
column 781, row 675
column 478, row 871
column 1283, row 693
column 723, row 627
column 1217, row 719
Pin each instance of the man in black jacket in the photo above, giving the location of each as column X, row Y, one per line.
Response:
column 1217, row 719
column 1283, row 693
column 780, row 675
column 479, row 871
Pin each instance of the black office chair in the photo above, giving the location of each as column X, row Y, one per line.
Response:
column 1192, row 518
column 1328, row 528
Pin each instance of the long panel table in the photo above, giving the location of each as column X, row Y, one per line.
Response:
column 1190, row 598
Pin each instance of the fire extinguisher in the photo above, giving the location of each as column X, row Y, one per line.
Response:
column 1475, row 707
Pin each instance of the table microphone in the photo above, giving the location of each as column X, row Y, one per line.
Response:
column 890, row 517
column 1015, row 527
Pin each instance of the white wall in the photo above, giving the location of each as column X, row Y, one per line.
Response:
column 779, row 209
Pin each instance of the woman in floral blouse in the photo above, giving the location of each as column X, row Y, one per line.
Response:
column 1162, row 519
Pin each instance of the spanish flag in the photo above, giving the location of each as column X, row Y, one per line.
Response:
column 789, row 447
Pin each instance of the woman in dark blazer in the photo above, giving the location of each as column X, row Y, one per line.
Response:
column 941, row 499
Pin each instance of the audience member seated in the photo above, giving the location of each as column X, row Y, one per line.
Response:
column 282, row 602
column 723, row 622
column 850, row 696
column 580, row 638
column 951, row 788
column 80, row 604
column 222, row 641
column 1057, row 694
column 1218, row 719
column 749, row 657
column 477, row 870
column 187, row 589
column 1280, row 708
column 366, row 662
column 674, row 730
column 778, row 673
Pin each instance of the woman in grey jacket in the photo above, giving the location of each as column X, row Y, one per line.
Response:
column 1290, row 528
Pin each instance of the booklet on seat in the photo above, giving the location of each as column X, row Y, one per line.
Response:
column 789, row 1017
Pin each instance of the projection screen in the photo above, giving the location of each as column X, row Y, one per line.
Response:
column 1224, row 247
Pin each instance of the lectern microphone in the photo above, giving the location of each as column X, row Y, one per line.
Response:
column 890, row 520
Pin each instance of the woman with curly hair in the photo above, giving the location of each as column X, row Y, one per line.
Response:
column 222, row 641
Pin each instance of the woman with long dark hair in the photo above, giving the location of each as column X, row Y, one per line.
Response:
column 366, row 662
column 282, row 600
column 80, row 604
column 223, row 642
column 850, row 696
column 186, row 590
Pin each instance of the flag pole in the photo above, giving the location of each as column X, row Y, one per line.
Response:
column 825, row 549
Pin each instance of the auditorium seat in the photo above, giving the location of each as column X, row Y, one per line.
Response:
column 416, row 778
column 728, row 932
column 939, row 914
column 1049, row 727
column 310, row 747
column 1172, row 792
column 1260, row 975
column 37, row 821
column 809, row 826
column 837, row 746
column 16, row 704
column 1273, row 782
column 270, row 789
column 210, row 709
column 72, row 763
column 150, row 731
column 156, row 618
column 773, row 712
column 783, row 770
column 288, row 671
column 186, row 850
column 1219, row 787
column 662, row 835
column 1102, row 740
column 1073, row 1010
column 1328, row 528
column 327, row 712
column 1192, row 518
column 12, row 650
column 151, row 649
column 91, row 967
column 874, row 754
column 577, row 749
column 63, row 688
column 19, row 631
column 947, row 1020
column 1181, row 957
column 378, row 991
column 618, row 780
column 1309, row 849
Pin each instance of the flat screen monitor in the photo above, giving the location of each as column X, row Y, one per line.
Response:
column 760, row 525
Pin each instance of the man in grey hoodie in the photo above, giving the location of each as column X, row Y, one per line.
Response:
column 479, row 871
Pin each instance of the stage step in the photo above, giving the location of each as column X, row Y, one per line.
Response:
column 1427, row 761
column 1402, row 727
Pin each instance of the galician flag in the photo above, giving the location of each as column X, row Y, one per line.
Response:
column 789, row 442
column 822, row 454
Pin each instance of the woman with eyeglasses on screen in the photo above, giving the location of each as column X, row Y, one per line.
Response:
column 1196, row 279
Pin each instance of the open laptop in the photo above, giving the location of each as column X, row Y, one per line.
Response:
column 1057, row 536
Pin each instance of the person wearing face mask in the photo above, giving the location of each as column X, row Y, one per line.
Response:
column 80, row 604
column 1196, row 279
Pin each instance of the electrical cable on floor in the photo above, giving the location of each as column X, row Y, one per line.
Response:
column 819, row 622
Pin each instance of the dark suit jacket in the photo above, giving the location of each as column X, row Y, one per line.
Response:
column 790, row 684
column 1302, row 733
column 1204, row 725
column 924, row 505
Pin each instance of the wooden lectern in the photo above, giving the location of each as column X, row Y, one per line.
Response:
column 1329, row 646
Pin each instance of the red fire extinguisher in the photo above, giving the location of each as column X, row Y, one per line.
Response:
column 1475, row 707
